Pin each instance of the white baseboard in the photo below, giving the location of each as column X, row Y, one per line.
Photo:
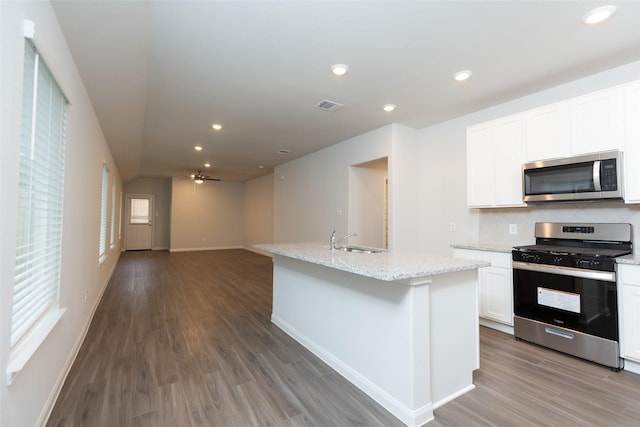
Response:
column 55, row 392
column 631, row 366
column 448, row 399
column 412, row 418
column 210, row 248
column 497, row 326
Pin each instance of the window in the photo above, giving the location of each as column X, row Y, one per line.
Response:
column 40, row 206
column 140, row 211
column 102, row 253
column 113, row 213
column 120, row 221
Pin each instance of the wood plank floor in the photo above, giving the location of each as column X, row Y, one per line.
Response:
column 184, row 339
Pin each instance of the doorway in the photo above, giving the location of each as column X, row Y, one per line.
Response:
column 369, row 202
column 139, row 222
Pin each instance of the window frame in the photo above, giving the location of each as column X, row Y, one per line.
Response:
column 36, row 287
column 112, row 239
column 104, row 204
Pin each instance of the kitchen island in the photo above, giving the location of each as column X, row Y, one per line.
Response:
column 402, row 327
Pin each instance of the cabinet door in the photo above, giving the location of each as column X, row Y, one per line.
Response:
column 632, row 142
column 479, row 166
column 547, row 132
column 629, row 310
column 630, row 319
column 596, row 122
column 496, row 294
column 508, row 141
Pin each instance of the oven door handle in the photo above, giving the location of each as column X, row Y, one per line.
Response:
column 606, row 276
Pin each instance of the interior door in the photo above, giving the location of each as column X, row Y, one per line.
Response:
column 139, row 222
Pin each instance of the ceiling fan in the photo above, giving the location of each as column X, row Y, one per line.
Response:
column 199, row 178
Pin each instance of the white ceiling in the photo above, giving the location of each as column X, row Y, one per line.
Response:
column 160, row 72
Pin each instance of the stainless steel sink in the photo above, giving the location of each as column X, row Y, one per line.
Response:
column 362, row 249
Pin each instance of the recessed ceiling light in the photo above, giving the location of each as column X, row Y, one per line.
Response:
column 598, row 14
column 462, row 75
column 389, row 107
column 216, row 126
column 197, row 148
column 207, row 165
column 339, row 69
column 261, row 167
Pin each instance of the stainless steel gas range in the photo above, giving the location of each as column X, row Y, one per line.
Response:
column 564, row 289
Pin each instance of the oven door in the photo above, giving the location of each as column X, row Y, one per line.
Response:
column 571, row 298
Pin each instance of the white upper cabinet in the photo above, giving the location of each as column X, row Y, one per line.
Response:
column 600, row 121
column 547, row 132
column 597, row 122
column 631, row 94
column 508, row 148
column 480, row 165
column 494, row 159
column 581, row 125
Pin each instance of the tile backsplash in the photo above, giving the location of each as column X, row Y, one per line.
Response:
column 494, row 223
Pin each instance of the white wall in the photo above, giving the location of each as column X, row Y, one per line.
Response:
column 161, row 190
column 405, row 213
column 311, row 197
column 258, row 211
column 206, row 216
column 28, row 400
column 443, row 177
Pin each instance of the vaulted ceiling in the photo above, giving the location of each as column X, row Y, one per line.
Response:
column 159, row 73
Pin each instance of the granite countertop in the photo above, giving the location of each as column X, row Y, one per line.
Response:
column 629, row 259
column 387, row 265
column 489, row 247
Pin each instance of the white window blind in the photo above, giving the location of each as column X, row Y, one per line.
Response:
column 102, row 253
column 120, row 216
column 113, row 213
column 40, row 197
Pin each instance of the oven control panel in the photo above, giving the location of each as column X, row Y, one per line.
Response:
column 582, row 262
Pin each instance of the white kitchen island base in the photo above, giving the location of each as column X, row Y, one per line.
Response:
column 411, row 344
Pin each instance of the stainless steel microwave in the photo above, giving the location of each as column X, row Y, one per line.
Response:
column 581, row 178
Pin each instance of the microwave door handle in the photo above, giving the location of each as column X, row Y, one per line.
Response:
column 596, row 176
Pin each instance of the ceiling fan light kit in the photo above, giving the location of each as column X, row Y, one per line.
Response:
column 199, row 178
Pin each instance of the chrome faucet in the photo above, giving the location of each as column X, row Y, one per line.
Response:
column 335, row 244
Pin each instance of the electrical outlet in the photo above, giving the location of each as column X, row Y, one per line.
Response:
column 453, row 226
column 513, row 228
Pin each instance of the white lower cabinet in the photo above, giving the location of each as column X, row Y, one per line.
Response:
column 496, row 294
column 495, row 284
column 629, row 311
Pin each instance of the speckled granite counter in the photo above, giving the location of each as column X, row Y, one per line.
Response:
column 629, row 259
column 489, row 247
column 403, row 327
column 388, row 265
